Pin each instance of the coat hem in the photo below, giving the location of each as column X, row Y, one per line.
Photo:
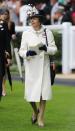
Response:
column 48, row 99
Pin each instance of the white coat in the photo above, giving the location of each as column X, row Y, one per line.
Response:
column 37, row 68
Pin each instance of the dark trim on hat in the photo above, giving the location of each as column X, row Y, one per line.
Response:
column 35, row 16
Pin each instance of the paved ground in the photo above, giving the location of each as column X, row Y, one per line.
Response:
column 66, row 76
column 60, row 79
column 68, row 79
column 67, row 82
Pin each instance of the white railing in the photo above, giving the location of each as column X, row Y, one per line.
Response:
column 68, row 50
column 72, row 47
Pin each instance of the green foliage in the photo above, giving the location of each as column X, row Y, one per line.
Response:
column 58, row 56
column 15, row 112
column 58, row 41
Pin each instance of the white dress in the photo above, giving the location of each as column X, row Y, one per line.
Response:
column 37, row 68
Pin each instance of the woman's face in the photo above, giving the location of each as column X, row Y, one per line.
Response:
column 6, row 16
column 2, row 17
column 35, row 22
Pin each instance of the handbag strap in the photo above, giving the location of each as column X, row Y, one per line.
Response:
column 46, row 37
column 50, row 57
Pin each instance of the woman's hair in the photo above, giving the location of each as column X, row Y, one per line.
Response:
column 1, row 1
column 39, row 17
column 7, row 11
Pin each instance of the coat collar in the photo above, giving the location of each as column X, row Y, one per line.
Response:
column 39, row 31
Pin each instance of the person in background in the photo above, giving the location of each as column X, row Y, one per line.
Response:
column 58, row 16
column 23, row 13
column 44, row 9
column 73, row 18
column 10, row 23
column 5, row 50
column 14, row 6
column 3, row 3
column 68, row 16
column 63, row 2
column 35, row 52
column 55, row 5
column 12, row 36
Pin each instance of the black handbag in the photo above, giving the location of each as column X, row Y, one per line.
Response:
column 52, row 70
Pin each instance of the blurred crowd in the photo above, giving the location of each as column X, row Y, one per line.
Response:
column 54, row 11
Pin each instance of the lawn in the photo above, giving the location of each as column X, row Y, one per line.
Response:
column 15, row 112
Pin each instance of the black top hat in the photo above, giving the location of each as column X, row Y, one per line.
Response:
column 35, row 15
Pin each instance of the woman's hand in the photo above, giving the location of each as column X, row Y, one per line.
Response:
column 31, row 53
column 8, row 62
column 43, row 48
column 13, row 37
column 7, row 54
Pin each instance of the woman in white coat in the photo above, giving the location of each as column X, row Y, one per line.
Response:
column 37, row 66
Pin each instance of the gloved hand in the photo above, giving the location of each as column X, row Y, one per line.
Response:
column 44, row 48
column 31, row 53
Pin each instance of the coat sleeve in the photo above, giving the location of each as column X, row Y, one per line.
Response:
column 23, row 47
column 7, row 40
column 51, row 48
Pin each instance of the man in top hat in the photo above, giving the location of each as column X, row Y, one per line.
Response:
column 5, row 50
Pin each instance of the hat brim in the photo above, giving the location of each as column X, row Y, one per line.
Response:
column 36, row 16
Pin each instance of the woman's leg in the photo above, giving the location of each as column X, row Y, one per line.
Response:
column 4, row 87
column 41, row 112
column 1, row 79
column 33, row 104
column 35, row 112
